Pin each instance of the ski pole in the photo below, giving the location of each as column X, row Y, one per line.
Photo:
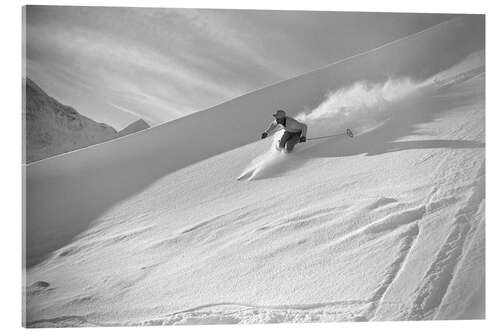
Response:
column 348, row 132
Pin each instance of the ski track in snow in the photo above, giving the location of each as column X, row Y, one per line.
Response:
column 407, row 242
column 430, row 293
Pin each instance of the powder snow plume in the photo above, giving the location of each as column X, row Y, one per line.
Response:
column 361, row 106
column 365, row 105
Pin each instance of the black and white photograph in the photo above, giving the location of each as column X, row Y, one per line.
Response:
column 197, row 166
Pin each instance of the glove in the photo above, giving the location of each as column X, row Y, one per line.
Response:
column 302, row 139
column 264, row 135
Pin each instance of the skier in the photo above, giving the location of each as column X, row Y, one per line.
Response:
column 295, row 131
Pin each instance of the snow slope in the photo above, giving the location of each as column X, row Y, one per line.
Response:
column 154, row 228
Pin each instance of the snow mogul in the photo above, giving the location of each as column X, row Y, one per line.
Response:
column 295, row 131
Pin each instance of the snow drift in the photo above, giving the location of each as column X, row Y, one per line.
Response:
column 153, row 228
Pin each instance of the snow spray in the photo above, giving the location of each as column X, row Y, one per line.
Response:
column 361, row 106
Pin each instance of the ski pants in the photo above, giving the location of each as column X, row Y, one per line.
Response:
column 289, row 140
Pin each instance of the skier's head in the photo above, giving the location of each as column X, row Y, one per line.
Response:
column 280, row 114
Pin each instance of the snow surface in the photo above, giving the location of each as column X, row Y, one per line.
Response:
column 155, row 229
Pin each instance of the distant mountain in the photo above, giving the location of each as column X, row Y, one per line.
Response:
column 136, row 126
column 53, row 128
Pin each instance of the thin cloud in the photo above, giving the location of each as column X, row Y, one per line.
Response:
column 166, row 63
column 127, row 110
column 115, row 63
column 213, row 26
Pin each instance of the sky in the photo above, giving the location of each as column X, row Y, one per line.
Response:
column 116, row 65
